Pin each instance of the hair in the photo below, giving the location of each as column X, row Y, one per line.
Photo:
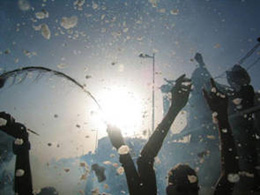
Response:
column 238, row 75
column 48, row 191
column 183, row 176
column 99, row 171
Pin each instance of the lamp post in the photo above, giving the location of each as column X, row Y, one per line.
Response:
column 153, row 58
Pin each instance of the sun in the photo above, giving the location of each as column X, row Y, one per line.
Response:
column 122, row 108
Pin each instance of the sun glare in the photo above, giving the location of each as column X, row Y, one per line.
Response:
column 123, row 109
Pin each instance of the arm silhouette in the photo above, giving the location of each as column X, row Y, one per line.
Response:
column 218, row 103
column 180, row 94
column 21, row 147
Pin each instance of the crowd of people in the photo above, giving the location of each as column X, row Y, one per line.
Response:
column 237, row 140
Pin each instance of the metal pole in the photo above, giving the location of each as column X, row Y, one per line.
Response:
column 142, row 55
column 153, row 94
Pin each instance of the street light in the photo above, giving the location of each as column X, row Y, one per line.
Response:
column 151, row 57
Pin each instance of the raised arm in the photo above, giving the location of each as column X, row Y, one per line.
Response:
column 180, row 94
column 132, row 177
column 218, row 103
column 21, row 147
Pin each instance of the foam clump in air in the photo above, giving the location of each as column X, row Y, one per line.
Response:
column 214, row 117
column 19, row 173
column 24, row 5
column 78, row 4
column 46, row 33
column 124, row 149
column 233, row 177
column 192, row 178
column 18, row 141
column 69, row 22
column 3, row 122
column 42, row 14
column 237, row 101
column 120, row 170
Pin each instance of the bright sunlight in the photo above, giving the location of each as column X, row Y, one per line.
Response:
column 122, row 108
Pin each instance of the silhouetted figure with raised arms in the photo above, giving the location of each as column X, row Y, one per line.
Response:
column 199, row 119
column 143, row 180
column 182, row 179
column 242, row 98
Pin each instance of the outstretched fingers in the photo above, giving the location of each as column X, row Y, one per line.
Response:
column 180, row 79
column 182, row 85
column 7, row 118
column 189, row 87
column 183, row 81
column 186, row 88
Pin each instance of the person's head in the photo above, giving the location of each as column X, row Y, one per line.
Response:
column 182, row 180
column 99, row 171
column 48, row 191
column 238, row 77
column 198, row 57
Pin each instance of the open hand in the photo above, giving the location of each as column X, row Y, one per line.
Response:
column 180, row 92
column 217, row 101
column 7, row 123
column 6, row 119
column 12, row 128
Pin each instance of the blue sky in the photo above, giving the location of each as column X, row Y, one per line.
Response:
column 104, row 45
column 101, row 51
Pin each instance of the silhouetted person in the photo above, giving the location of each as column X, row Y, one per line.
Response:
column 218, row 103
column 182, row 179
column 203, row 134
column 199, row 117
column 242, row 99
column 143, row 180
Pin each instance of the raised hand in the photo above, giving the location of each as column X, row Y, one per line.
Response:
column 6, row 119
column 7, row 124
column 12, row 128
column 217, row 101
column 115, row 136
column 180, row 92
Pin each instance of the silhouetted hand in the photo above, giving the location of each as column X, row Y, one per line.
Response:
column 217, row 101
column 12, row 128
column 115, row 136
column 180, row 92
column 6, row 119
column 7, row 123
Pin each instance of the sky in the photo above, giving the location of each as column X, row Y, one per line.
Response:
column 98, row 44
